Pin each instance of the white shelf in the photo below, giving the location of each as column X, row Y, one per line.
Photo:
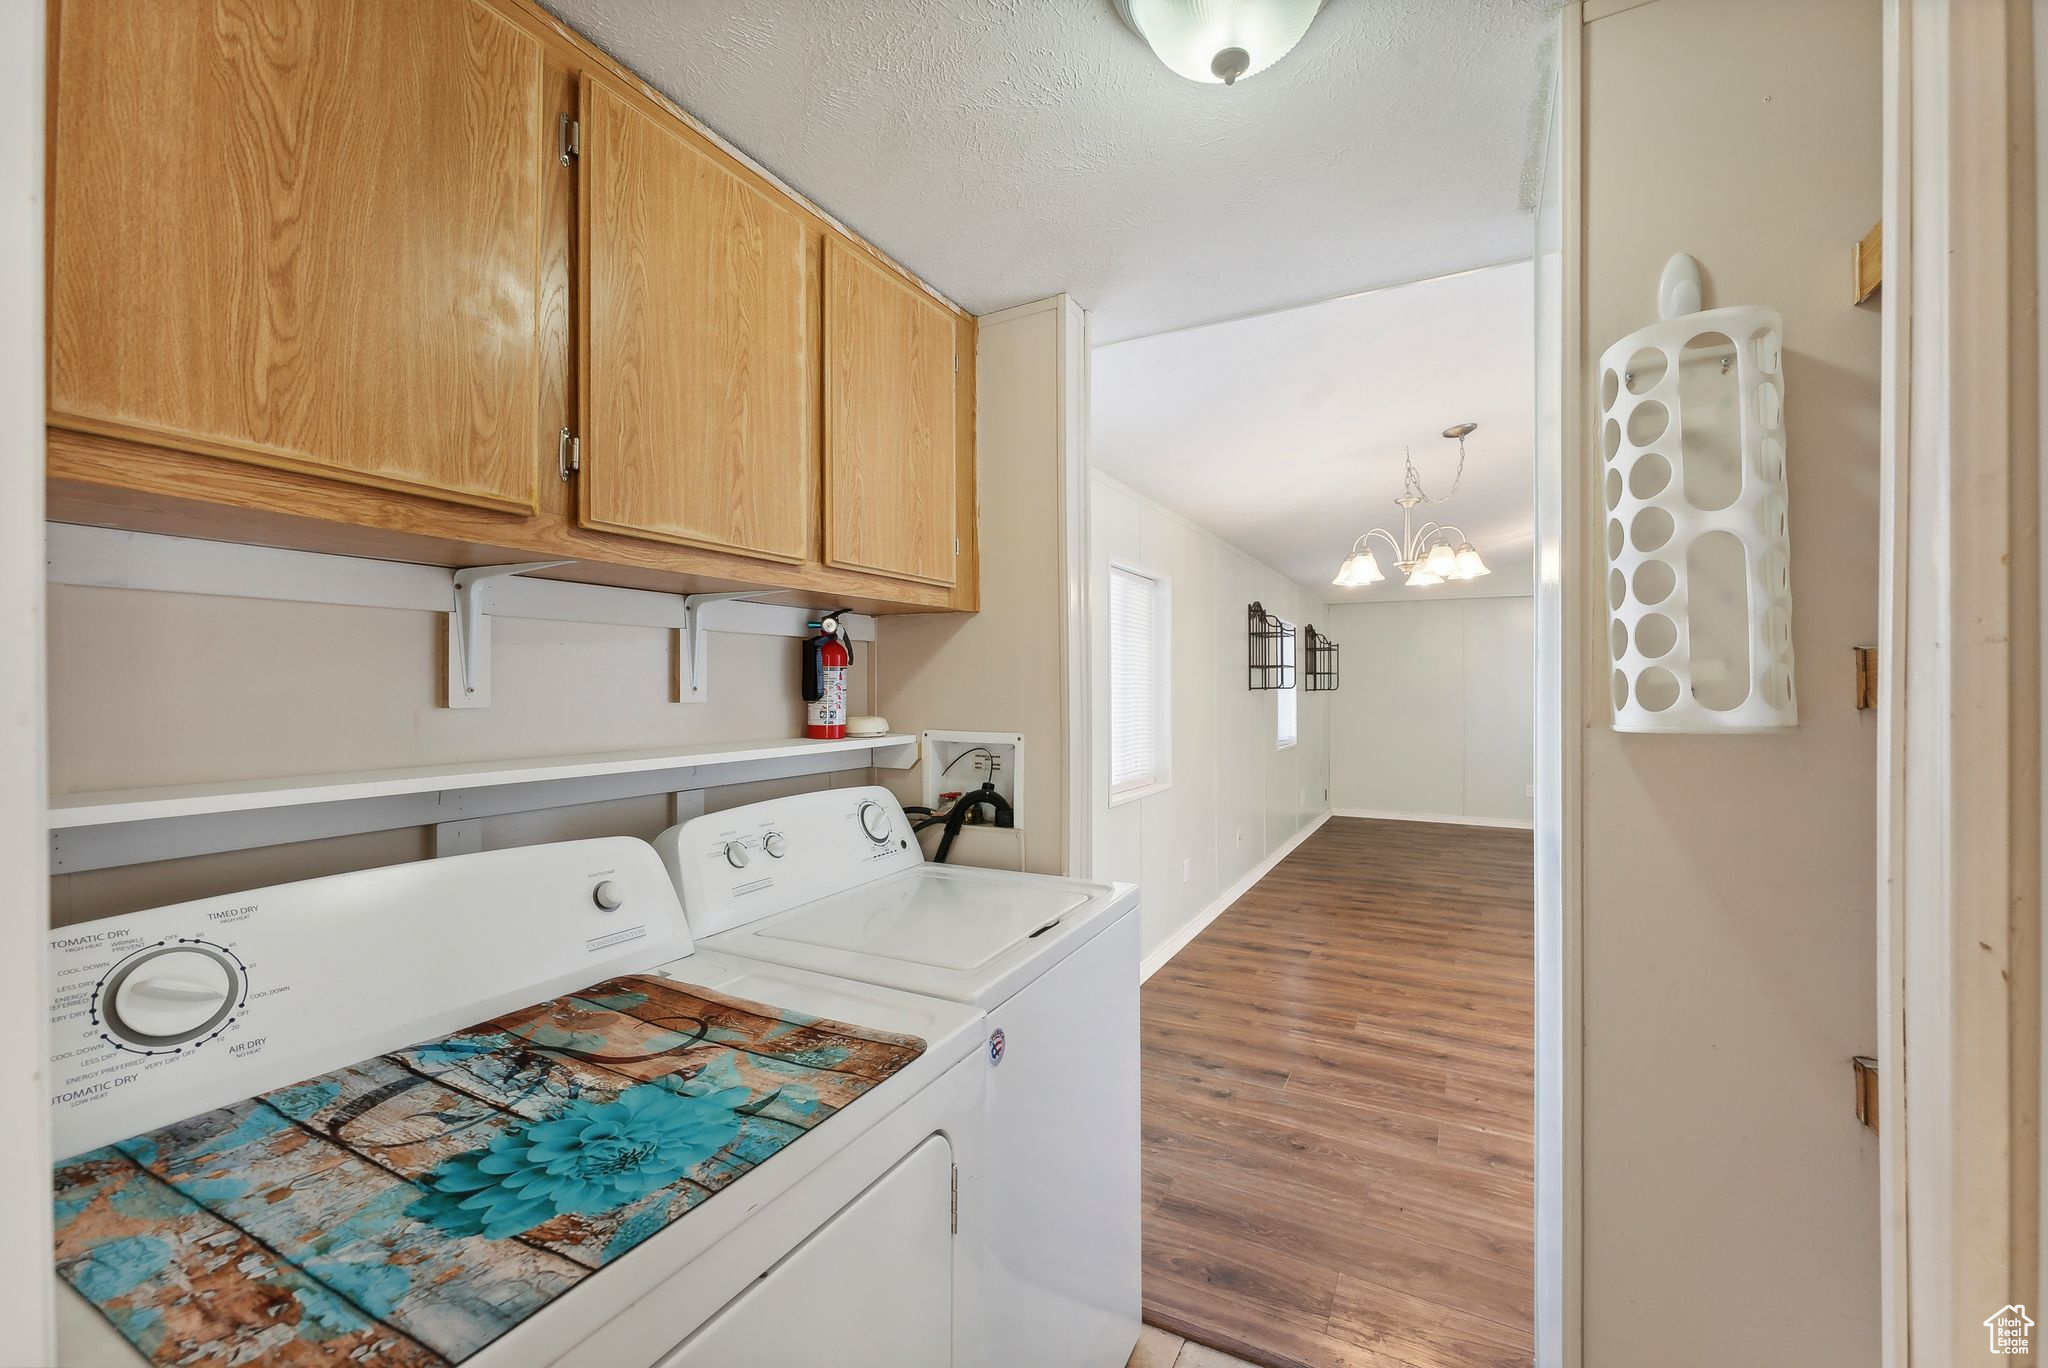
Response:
column 115, row 807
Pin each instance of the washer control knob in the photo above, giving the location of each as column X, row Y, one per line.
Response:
column 171, row 997
column 735, row 854
column 874, row 820
column 607, row 895
column 776, row 844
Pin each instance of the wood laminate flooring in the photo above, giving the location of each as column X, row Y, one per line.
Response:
column 1338, row 1108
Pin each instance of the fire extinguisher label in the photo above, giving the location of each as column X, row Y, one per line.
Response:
column 829, row 709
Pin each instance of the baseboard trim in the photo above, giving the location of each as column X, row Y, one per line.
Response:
column 1179, row 940
column 1435, row 818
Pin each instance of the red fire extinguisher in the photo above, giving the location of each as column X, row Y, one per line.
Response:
column 826, row 657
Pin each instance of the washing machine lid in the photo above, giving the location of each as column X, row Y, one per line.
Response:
column 686, row 1258
column 933, row 917
column 973, row 936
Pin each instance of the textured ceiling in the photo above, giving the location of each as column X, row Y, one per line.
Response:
column 1283, row 434
column 1006, row 150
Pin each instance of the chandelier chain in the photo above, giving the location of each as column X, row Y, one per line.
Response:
column 1414, row 481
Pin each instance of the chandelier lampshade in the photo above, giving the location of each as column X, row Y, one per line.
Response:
column 1360, row 568
column 1220, row 40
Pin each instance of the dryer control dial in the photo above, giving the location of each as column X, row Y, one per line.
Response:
column 170, row 997
column 874, row 820
column 736, row 854
column 776, row 844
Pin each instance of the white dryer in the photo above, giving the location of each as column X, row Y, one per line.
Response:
column 291, row 1018
column 834, row 882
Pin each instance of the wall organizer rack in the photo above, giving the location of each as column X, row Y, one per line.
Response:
column 1318, row 661
column 1271, row 644
column 1699, row 583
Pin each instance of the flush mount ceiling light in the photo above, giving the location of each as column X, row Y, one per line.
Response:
column 1220, row 40
column 1430, row 554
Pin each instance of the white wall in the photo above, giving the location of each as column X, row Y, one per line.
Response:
column 1435, row 714
column 24, row 1149
column 1730, row 1197
column 150, row 688
column 1235, row 796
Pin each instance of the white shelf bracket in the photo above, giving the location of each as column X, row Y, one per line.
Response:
column 469, row 631
column 693, row 672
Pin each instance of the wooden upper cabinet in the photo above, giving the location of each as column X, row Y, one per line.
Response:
column 890, row 444
column 303, row 234
column 698, row 376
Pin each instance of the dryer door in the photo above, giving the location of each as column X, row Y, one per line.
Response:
column 872, row 1288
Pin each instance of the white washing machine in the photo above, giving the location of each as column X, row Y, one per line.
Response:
column 837, row 1246
column 834, row 882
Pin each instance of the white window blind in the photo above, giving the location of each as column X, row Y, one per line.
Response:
column 1137, row 674
column 1289, row 724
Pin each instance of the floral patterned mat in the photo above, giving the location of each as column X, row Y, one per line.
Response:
column 410, row 1209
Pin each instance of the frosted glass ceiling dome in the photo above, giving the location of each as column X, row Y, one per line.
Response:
column 1220, row 40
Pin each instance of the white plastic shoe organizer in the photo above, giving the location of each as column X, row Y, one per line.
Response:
column 1699, row 558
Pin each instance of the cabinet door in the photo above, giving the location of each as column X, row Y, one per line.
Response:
column 889, row 439
column 303, row 234
column 698, row 378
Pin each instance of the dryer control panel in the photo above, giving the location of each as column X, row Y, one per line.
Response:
column 162, row 1014
column 745, row 863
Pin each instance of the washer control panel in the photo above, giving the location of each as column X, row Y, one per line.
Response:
column 171, row 995
column 745, row 863
column 160, row 1015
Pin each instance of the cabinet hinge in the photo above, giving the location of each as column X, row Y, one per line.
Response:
column 956, row 1199
column 956, row 363
column 571, row 139
column 569, row 454
column 956, row 546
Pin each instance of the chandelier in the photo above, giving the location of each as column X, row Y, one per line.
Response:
column 1430, row 554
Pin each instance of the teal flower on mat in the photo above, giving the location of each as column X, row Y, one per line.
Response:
column 592, row 1157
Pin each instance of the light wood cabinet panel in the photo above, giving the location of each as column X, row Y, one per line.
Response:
column 890, row 441
column 320, row 278
column 697, row 345
column 302, row 234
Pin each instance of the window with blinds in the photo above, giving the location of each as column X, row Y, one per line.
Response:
column 1289, row 723
column 1137, row 682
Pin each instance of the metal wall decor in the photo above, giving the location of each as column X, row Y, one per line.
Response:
column 1272, row 650
column 1318, row 661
